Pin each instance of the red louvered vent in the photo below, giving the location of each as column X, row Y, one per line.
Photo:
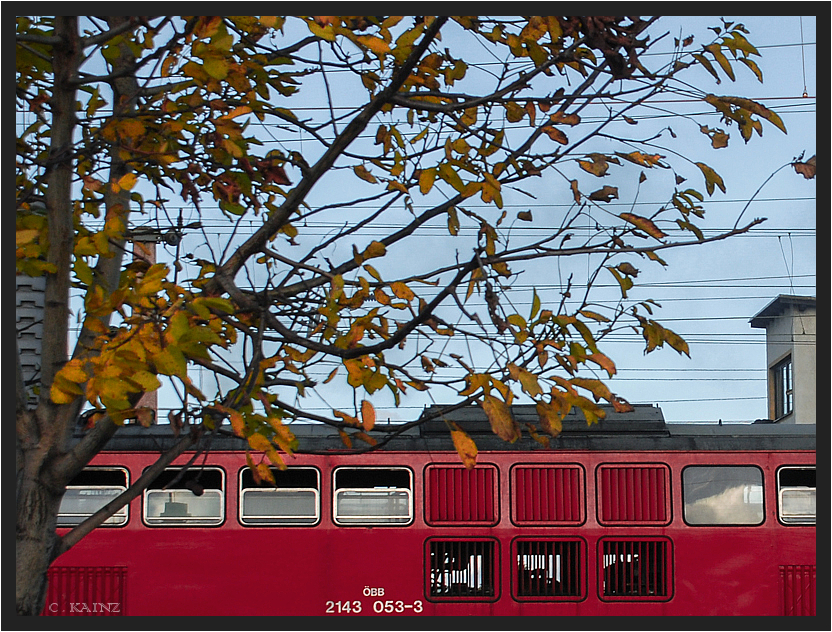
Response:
column 96, row 591
column 548, row 494
column 799, row 591
column 456, row 494
column 633, row 493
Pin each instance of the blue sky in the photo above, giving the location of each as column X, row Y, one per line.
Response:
column 708, row 293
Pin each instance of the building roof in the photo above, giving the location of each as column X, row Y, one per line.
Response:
column 779, row 305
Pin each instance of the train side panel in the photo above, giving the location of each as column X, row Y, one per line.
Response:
column 487, row 557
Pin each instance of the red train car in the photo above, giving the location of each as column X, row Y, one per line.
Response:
column 631, row 516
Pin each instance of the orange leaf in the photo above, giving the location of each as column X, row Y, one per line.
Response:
column 555, row 134
column 499, row 416
column 145, row 416
column 349, row 420
column 465, row 447
column 644, row 224
column 368, row 415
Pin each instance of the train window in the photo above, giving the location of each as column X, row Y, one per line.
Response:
column 373, row 495
column 461, row 569
column 633, row 493
column 89, row 491
column 186, row 497
column 723, row 495
column 548, row 568
column 456, row 494
column 545, row 494
column 294, row 499
column 634, row 569
column 797, row 495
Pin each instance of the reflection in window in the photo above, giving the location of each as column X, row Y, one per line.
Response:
column 716, row 495
column 191, row 497
column 797, row 495
column 90, row 491
column 373, row 495
column 783, row 388
column 292, row 500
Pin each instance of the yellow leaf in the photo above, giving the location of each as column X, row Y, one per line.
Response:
column 264, row 473
column 216, row 67
column 551, row 417
column 465, row 447
column 64, row 391
column 499, row 416
column 368, row 415
column 426, row 179
column 25, row 236
column 170, row 361
column 238, row 111
column 362, row 172
column 146, row 380
column 74, row 371
column 126, row 182
column 378, row 46
column 402, row 291
column 375, row 249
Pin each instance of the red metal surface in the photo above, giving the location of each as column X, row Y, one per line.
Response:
column 633, row 493
column 548, row 494
column 232, row 569
column 459, row 495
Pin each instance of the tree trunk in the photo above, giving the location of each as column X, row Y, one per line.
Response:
column 41, row 433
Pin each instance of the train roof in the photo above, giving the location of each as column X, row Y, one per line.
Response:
column 643, row 429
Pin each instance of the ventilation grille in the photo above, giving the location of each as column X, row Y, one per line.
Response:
column 548, row 568
column 461, row 569
column 634, row 568
column 456, row 494
column 86, row 591
column 633, row 494
column 799, row 591
column 548, row 494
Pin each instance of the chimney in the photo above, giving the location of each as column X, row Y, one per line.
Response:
column 144, row 249
column 790, row 323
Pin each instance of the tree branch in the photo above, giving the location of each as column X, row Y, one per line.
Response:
column 278, row 218
column 74, row 536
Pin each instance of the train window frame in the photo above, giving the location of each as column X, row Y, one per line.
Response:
column 792, row 519
column 430, row 494
column 601, row 494
column 279, row 521
column 392, row 520
column 176, row 495
column 667, row 577
column 486, row 588
column 120, row 518
column 577, row 593
column 581, row 494
column 747, row 492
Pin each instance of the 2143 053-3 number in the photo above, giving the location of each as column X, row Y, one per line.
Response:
column 389, row 606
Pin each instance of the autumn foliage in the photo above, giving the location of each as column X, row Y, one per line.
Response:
column 377, row 129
